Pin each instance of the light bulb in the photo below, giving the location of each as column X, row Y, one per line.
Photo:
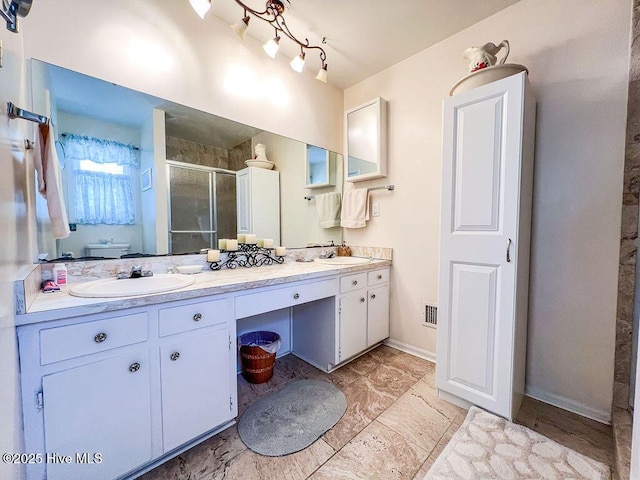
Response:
column 322, row 74
column 298, row 63
column 272, row 46
column 241, row 27
column 201, row 7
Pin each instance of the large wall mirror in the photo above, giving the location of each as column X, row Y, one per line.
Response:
column 182, row 182
column 366, row 134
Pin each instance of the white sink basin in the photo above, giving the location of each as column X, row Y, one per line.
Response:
column 112, row 287
column 343, row 260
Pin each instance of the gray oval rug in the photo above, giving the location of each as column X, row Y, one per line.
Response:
column 291, row 419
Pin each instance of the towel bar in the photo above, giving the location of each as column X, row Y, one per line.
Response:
column 16, row 112
column 381, row 187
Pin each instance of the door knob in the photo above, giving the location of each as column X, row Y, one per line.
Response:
column 134, row 367
column 197, row 317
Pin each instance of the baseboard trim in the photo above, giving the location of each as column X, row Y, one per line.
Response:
column 405, row 347
column 565, row 403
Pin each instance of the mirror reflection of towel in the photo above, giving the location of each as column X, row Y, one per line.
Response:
column 45, row 160
column 355, row 208
column 328, row 208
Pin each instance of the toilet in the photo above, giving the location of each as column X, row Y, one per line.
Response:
column 111, row 250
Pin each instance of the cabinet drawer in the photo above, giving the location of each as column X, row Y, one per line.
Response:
column 353, row 282
column 378, row 277
column 267, row 301
column 196, row 315
column 63, row 343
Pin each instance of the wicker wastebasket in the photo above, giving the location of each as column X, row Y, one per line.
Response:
column 258, row 355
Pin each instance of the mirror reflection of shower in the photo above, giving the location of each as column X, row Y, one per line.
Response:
column 202, row 206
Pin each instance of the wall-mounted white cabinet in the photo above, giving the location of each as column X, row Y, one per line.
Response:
column 487, row 182
column 258, row 197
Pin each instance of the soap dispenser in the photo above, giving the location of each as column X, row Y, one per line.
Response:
column 344, row 250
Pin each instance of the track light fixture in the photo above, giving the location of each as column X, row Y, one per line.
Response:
column 273, row 14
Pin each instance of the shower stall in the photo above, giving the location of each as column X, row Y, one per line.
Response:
column 202, row 206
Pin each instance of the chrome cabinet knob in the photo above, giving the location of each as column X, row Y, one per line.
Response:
column 373, row 295
column 197, row 317
column 101, row 337
column 296, row 296
column 362, row 299
column 175, row 356
column 355, row 282
column 134, row 367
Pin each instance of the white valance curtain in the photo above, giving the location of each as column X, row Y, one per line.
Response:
column 78, row 148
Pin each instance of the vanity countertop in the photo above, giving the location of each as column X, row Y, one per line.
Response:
column 57, row 305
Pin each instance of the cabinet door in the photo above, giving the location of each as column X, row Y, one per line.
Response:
column 195, row 386
column 479, row 241
column 353, row 324
column 243, row 192
column 102, row 407
column 377, row 315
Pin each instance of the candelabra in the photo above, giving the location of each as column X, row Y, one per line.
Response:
column 248, row 255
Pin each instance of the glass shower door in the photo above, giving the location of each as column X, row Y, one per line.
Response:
column 191, row 218
column 202, row 207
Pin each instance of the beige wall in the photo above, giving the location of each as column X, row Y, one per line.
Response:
column 16, row 212
column 578, row 57
column 161, row 47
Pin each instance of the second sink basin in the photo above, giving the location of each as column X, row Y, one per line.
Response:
column 343, row 260
column 112, row 287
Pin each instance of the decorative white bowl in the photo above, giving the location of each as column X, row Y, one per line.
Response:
column 260, row 164
column 486, row 75
column 189, row 269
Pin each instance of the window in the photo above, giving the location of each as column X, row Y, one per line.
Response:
column 102, row 172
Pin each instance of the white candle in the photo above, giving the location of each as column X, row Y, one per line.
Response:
column 250, row 238
column 260, row 242
column 242, row 238
column 222, row 244
column 268, row 243
column 232, row 244
column 213, row 256
column 281, row 251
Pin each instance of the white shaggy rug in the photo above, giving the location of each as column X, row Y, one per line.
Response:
column 487, row 447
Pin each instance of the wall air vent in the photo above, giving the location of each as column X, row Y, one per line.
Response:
column 430, row 315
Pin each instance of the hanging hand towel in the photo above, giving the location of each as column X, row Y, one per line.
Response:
column 328, row 208
column 45, row 159
column 355, row 208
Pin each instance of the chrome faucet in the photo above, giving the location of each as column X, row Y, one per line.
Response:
column 327, row 254
column 137, row 271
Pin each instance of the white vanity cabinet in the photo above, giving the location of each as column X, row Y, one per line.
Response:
column 363, row 311
column 194, row 370
column 132, row 386
column 105, row 404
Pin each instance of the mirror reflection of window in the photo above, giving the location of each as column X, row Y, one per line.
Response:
column 101, row 175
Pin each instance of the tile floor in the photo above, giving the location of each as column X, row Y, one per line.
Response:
column 394, row 428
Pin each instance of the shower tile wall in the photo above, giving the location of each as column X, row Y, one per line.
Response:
column 207, row 155
column 627, row 276
column 197, row 153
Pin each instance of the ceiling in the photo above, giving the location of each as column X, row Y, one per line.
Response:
column 365, row 37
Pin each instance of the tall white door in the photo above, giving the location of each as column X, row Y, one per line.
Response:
column 479, row 243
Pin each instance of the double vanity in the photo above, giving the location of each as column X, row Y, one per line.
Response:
column 115, row 386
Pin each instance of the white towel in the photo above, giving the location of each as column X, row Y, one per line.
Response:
column 355, row 208
column 328, row 208
column 45, row 159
